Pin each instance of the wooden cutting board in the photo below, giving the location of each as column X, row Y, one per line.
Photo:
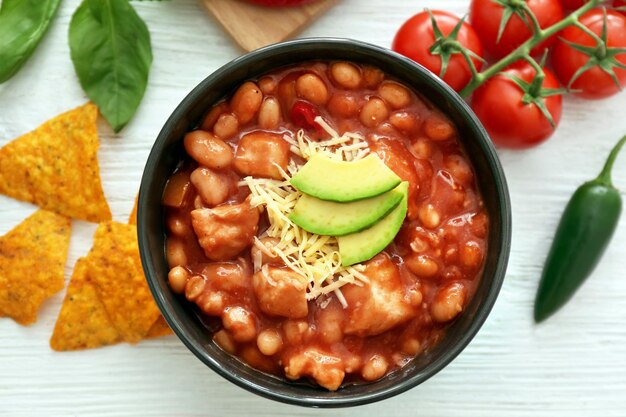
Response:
column 254, row 26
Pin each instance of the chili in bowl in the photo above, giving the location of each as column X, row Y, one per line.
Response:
column 324, row 223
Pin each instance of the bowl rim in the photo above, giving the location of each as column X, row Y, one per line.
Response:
column 504, row 212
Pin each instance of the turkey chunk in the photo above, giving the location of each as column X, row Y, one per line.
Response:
column 228, row 276
column 326, row 369
column 397, row 157
column 261, row 153
column 280, row 292
column 226, row 283
column 380, row 305
column 224, row 231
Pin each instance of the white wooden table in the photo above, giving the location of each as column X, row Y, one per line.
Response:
column 573, row 365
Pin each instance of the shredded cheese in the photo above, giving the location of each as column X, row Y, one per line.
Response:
column 312, row 256
column 347, row 147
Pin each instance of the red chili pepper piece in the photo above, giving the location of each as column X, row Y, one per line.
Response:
column 303, row 115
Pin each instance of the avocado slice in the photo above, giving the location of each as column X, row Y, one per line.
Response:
column 338, row 219
column 343, row 181
column 364, row 245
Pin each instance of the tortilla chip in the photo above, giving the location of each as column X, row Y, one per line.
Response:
column 83, row 322
column 133, row 214
column 118, row 275
column 32, row 260
column 159, row 328
column 56, row 166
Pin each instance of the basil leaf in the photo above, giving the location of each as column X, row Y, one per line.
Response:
column 111, row 52
column 22, row 26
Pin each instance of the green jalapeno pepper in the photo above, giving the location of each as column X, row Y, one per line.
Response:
column 583, row 234
column 22, row 25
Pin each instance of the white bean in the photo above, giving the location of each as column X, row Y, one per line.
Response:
column 208, row 150
column 312, row 88
column 346, row 75
column 246, row 102
column 269, row 115
column 374, row 112
column 213, row 187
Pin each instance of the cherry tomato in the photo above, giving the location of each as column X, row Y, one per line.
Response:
column 416, row 36
column 486, row 16
column 511, row 123
column 620, row 3
column 573, row 4
column 577, row 4
column 280, row 3
column 594, row 83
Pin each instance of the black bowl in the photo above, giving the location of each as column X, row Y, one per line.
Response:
column 168, row 151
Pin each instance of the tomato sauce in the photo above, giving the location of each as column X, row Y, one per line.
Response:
column 417, row 286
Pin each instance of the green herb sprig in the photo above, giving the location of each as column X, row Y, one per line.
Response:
column 111, row 53
column 109, row 44
column 23, row 23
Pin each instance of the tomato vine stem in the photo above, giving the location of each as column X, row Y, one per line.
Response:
column 524, row 49
column 537, row 31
